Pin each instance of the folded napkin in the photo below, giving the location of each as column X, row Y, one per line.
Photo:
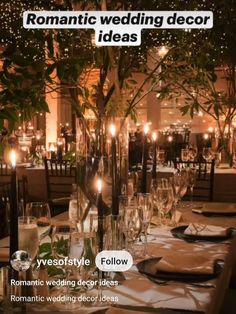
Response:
column 196, row 229
column 183, row 263
column 218, row 208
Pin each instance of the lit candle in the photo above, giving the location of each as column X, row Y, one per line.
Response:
column 154, row 168
column 14, row 206
column 52, row 149
column 115, row 202
column 144, row 160
column 100, row 214
column 170, row 140
column 59, row 150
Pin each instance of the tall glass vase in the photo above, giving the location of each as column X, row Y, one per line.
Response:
column 225, row 152
column 101, row 152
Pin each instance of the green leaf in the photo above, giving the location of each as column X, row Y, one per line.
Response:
column 184, row 110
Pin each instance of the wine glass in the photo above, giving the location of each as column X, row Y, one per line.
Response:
column 207, row 154
column 176, row 182
column 161, row 156
column 166, row 213
column 145, row 207
column 41, row 211
column 83, row 244
column 28, row 235
column 191, row 181
column 185, row 154
column 192, row 152
column 60, row 242
column 132, row 226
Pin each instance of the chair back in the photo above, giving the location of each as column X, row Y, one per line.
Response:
column 204, row 185
column 60, row 175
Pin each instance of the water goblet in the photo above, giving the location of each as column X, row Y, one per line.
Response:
column 28, row 235
column 185, row 154
column 207, row 154
column 41, row 211
column 145, row 207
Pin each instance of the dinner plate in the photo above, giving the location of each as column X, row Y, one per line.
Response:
column 178, row 232
column 147, row 267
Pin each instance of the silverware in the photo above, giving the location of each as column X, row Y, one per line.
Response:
column 195, row 284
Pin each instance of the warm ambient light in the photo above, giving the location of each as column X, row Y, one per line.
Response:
column 162, row 51
column 210, row 129
column 154, row 136
column 205, row 136
column 112, row 130
column 170, row 138
column 146, row 129
column 99, row 185
column 13, row 158
column 52, row 147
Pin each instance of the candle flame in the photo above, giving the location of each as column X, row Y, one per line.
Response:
column 99, row 185
column 205, row 136
column 154, row 136
column 146, row 129
column 13, row 158
column 170, row 138
column 112, row 130
column 52, row 147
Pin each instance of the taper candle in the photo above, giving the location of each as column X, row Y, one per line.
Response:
column 154, row 167
column 115, row 200
column 100, row 214
column 144, row 160
column 14, row 206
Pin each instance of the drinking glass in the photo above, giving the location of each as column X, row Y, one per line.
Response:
column 207, row 154
column 185, row 154
column 191, row 181
column 145, row 207
column 166, row 213
column 41, row 211
column 161, row 156
column 192, row 152
column 28, row 235
column 83, row 244
column 132, row 226
column 61, row 242
column 177, row 185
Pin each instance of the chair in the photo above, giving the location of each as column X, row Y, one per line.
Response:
column 60, row 175
column 204, row 185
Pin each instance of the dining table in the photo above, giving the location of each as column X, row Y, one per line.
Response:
column 140, row 293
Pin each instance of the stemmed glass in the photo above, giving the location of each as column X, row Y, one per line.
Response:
column 192, row 152
column 185, row 154
column 61, row 244
column 161, row 156
column 28, row 235
column 179, row 187
column 166, row 213
column 84, row 244
column 132, row 226
column 145, row 207
column 41, row 211
column 191, row 181
column 207, row 154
